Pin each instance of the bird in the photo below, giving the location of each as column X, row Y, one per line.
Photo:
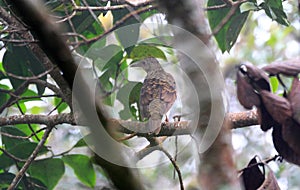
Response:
column 158, row 93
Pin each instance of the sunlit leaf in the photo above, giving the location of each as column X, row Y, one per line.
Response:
column 248, row 6
column 62, row 105
column 83, row 168
column 274, row 84
column 274, row 9
column 143, row 51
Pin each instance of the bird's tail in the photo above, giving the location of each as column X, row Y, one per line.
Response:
column 157, row 109
column 154, row 123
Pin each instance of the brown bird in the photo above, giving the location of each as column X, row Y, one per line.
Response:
column 158, row 93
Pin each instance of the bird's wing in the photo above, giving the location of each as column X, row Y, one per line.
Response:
column 158, row 87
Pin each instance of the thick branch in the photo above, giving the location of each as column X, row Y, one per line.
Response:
column 58, row 52
column 235, row 121
column 243, row 119
column 38, row 119
column 216, row 169
column 55, row 73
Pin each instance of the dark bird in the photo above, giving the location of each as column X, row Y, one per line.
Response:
column 158, row 93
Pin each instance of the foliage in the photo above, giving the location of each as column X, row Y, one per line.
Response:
column 25, row 81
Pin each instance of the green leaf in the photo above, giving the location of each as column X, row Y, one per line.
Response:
column 274, row 10
column 6, row 179
column 128, row 95
column 228, row 34
column 25, row 129
column 3, row 95
column 164, row 41
column 148, row 14
column 110, row 100
column 80, row 143
column 36, row 109
column 95, row 49
column 274, row 84
column 111, row 65
column 20, row 61
column 83, row 168
column 248, row 6
column 21, row 106
column 143, row 51
column 27, row 96
column 1, row 67
column 2, row 75
column 21, row 150
column 107, row 56
column 83, row 22
column 104, row 81
column 40, row 185
column 48, row 171
column 62, row 105
column 10, row 142
column 129, row 31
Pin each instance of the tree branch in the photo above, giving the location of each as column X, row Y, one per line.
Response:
column 216, row 168
column 243, row 119
column 59, row 53
column 31, row 158
column 38, row 119
column 175, row 166
column 24, row 34
column 236, row 120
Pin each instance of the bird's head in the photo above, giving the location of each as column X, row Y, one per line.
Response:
column 148, row 64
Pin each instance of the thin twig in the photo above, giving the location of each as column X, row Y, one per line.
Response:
column 22, row 137
column 14, row 95
column 174, row 164
column 55, row 108
column 30, row 78
column 118, row 23
column 12, row 156
column 31, row 158
column 274, row 158
column 216, row 7
column 109, row 8
column 234, row 5
column 28, row 124
column 69, row 18
column 126, row 137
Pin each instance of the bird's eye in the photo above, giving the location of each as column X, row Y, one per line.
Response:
column 243, row 69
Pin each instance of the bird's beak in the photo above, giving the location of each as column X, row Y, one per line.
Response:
column 136, row 64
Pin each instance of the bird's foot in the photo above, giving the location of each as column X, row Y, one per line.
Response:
column 176, row 119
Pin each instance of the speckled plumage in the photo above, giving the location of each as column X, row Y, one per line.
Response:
column 158, row 92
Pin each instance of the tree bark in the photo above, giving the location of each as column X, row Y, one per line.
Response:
column 216, row 168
